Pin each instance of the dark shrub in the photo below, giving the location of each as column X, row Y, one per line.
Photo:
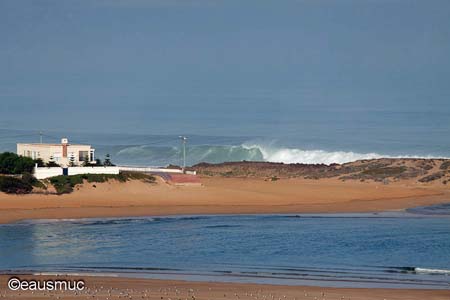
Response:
column 39, row 162
column 384, row 172
column 11, row 163
column 65, row 184
column 28, row 178
column 432, row 177
column 31, row 180
column 52, row 164
column 12, row 185
column 445, row 165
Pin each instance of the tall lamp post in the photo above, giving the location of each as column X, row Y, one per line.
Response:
column 183, row 141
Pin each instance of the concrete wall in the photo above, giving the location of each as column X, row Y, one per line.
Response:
column 43, row 172
column 150, row 169
column 93, row 170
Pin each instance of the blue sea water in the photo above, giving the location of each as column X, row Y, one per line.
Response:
column 288, row 81
column 298, row 135
column 399, row 250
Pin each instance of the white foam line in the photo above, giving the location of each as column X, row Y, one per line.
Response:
column 432, row 271
column 292, row 155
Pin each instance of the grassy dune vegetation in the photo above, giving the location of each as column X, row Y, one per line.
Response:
column 65, row 184
column 15, row 173
column 16, row 176
column 379, row 170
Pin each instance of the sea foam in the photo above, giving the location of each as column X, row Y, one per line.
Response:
column 143, row 154
column 432, row 271
column 289, row 155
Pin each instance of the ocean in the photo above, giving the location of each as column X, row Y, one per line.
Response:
column 298, row 135
column 396, row 250
column 297, row 81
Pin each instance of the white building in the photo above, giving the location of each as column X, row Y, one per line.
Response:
column 63, row 154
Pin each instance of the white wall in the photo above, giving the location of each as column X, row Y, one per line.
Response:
column 150, row 169
column 43, row 172
column 93, row 170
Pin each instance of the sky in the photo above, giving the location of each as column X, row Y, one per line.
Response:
column 218, row 67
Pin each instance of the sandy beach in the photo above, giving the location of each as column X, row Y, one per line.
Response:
column 108, row 288
column 226, row 150
column 221, row 196
column 218, row 195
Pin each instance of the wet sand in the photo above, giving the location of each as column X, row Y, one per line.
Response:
column 127, row 288
column 220, row 196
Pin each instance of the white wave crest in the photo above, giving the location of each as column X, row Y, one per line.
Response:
column 432, row 271
column 250, row 151
column 289, row 155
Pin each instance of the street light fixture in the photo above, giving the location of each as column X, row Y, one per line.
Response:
column 183, row 141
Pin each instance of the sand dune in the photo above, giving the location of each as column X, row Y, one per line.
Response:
column 221, row 196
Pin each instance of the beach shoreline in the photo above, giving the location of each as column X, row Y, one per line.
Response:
column 104, row 287
column 220, row 196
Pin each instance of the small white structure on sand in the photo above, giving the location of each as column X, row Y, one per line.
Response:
column 47, row 172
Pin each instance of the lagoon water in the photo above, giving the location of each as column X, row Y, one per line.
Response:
column 407, row 250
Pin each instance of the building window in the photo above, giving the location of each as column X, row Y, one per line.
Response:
column 82, row 155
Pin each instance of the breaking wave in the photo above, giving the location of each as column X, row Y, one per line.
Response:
column 288, row 155
column 432, row 271
column 163, row 155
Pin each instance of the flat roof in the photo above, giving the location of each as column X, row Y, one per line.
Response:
column 46, row 145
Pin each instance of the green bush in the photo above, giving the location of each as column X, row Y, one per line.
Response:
column 65, row 184
column 11, row 163
column 124, row 176
column 28, row 178
column 39, row 162
column 385, row 172
column 12, row 185
column 52, row 164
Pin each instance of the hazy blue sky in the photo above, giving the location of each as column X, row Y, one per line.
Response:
column 218, row 67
